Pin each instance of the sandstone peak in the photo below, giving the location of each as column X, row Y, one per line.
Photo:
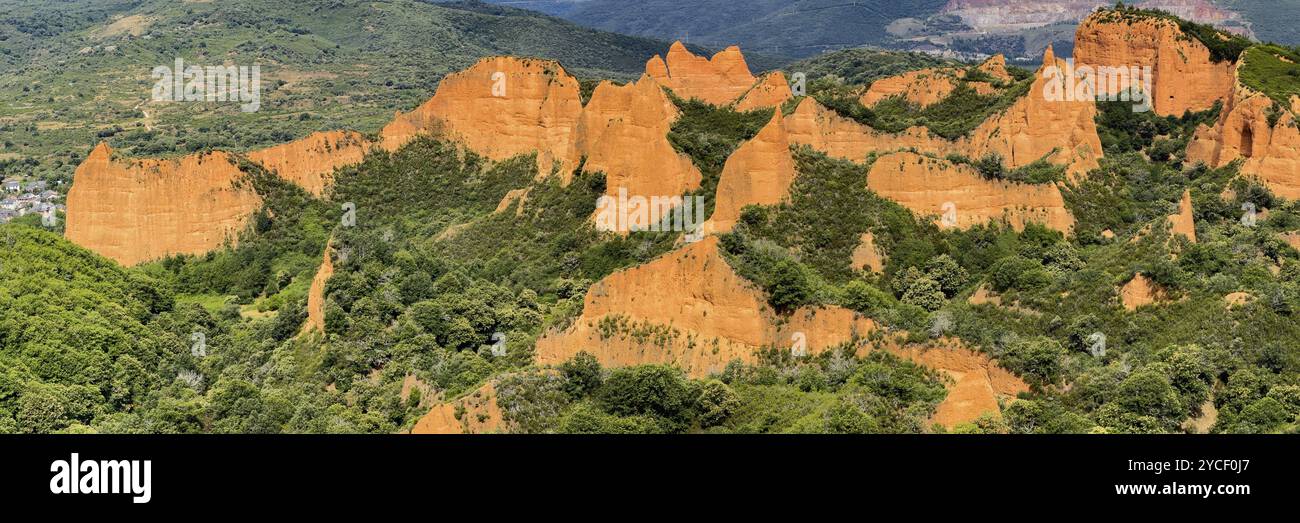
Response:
column 1184, row 74
column 502, row 107
column 960, row 197
column 772, row 90
column 996, row 66
column 623, row 131
column 1184, row 223
column 758, row 173
column 717, row 316
column 101, row 152
column 718, row 80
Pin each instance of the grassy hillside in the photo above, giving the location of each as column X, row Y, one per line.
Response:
column 78, row 71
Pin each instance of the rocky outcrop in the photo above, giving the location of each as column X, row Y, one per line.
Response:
column 926, row 87
column 822, row 129
column 922, row 87
column 979, row 386
column 996, row 66
column 316, row 294
column 711, row 316
column 1139, row 292
column 139, row 210
column 474, row 413
column 1184, row 222
column 714, row 316
column 718, row 80
column 866, row 256
column 502, row 107
column 624, row 133
column 1184, row 76
column 960, row 197
column 310, row 162
column 758, row 173
column 771, row 91
column 516, row 198
column 1270, row 153
column 1033, row 128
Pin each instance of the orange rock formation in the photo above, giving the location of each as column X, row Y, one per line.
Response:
column 316, row 294
column 978, row 383
column 758, row 173
column 1033, row 128
column 771, row 91
column 141, row 210
column 718, row 81
column 1139, row 292
column 711, row 317
column 929, row 86
column 714, row 316
column 822, row 129
column 310, row 162
column 1184, row 77
column 624, row 133
column 502, row 107
column 866, row 256
column 1270, row 153
column 930, row 186
column 478, row 414
column 1184, row 222
column 922, row 87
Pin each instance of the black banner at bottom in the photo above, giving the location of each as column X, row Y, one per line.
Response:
column 321, row 474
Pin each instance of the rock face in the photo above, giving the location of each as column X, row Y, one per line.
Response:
column 1184, row 222
column 478, row 414
column 502, row 107
column 771, row 91
column 813, row 125
column 996, row 66
column 310, row 162
column 714, row 316
column 1184, row 77
column 718, row 81
column 1139, row 292
column 1270, row 153
column 866, row 256
column 922, row 87
column 960, row 197
column 978, row 383
column 710, row 317
column 535, row 107
column 624, row 132
column 1034, row 128
column 1031, row 129
column 925, row 87
column 758, row 173
column 141, row 210
column 316, row 294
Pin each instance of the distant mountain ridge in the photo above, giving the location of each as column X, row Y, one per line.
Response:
column 972, row 29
